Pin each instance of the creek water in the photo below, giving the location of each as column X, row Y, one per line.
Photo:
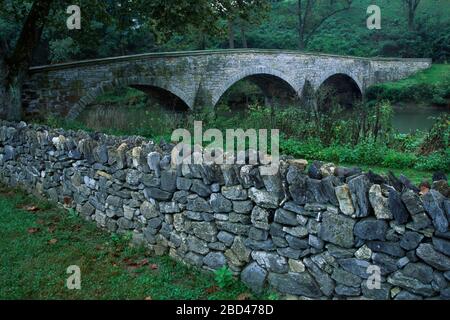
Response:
column 408, row 118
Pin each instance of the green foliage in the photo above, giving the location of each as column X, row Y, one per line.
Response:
column 62, row 50
column 223, row 277
column 432, row 85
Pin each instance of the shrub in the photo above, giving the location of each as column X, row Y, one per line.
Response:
column 223, row 277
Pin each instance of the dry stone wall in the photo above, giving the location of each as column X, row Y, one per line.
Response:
column 317, row 233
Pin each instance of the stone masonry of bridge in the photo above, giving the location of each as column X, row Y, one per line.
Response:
column 200, row 78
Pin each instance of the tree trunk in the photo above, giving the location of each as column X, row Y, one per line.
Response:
column 16, row 65
column 410, row 19
column 243, row 36
column 230, row 34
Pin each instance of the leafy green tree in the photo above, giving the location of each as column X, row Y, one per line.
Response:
column 312, row 14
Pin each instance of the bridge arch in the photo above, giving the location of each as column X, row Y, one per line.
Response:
column 136, row 82
column 254, row 72
column 346, row 89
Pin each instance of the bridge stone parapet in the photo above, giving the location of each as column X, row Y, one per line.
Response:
column 200, row 78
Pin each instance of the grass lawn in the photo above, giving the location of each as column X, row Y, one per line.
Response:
column 40, row 241
column 416, row 176
column 428, row 86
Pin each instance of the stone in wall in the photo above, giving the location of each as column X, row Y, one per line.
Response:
column 314, row 235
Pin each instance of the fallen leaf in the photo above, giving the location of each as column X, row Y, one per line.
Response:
column 33, row 230
column 244, row 296
column 143, row 262
column 148, row 298
column 211, row 289
column 53, row 241
column 154, row 266
column 31, row 208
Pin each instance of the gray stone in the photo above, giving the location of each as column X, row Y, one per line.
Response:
column 196, row 245
column 149, row 210
column 399, row 279
column 391, row 248
column 433, row 203
column 379, row 203
column 240, row 250
column 344, row 198
column 235, row 228
column 406, row 295
column 297, row 185
column 125, row 224
column 157, row 194
column 169, row 207
column 442, row 245
column 254, row 277
column 220, row 204
column 184, row 183
column 316, row 242
column 346, row 278
column 259, row 245
column 9, row 153
column 337, row 229
column 359, row 188
column 263, row 199
column 215, row 260
column 438, row 283
column 315, row 191
column 326, row 284
column 289, row 253
column 234, row 192
column 371, row 229
column 397, row 207
column 386, row 263
column 258, row 234
column 273, row 184
column 300, row 284
column 225, row 237
column 271, row 261
column 296, row 243
column 411, row 240
column 205, row 230
column 299, row 231
column 435, row 259
column 194, row 259
column 242, row 206
column 260, row 218
column 347, row 291
column 286, row 217
column 382, row 293
column 200, row 188
column 292, row 206
column 412, row 202
column 196, row 203
column 339, row 252
column 355, row 266
column 153, row 160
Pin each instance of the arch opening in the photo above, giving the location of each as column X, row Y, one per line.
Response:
column 263, row 89
column 162, row 97
column 133, row 109
column 338, row 89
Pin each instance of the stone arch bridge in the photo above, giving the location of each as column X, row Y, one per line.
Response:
column 200, row 78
